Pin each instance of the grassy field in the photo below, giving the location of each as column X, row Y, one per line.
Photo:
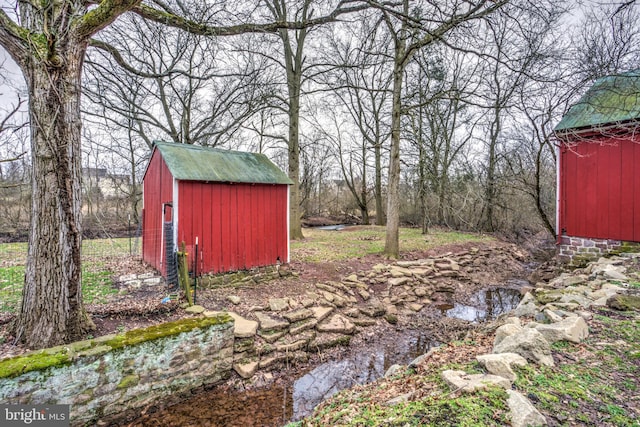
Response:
column 318, row 246
column 324, row 245
column 96, row 276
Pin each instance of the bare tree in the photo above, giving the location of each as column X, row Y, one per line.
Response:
column 515, row 42
column 440, row 123
column 360, row 77
column 48, row 40
column 413, row 29
column 184, row 88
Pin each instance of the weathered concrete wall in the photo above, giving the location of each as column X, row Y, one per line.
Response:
column 110, row 375
column 579, row 251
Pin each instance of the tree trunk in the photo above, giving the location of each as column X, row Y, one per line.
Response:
column 295, row 218
column 364, row 206
column 293, row 67
column 490, row 189
column 392, row 245
column 380, row 217
column 52, row 312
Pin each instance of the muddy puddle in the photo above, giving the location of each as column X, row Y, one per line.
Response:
column 484, row 305
column 295, row 399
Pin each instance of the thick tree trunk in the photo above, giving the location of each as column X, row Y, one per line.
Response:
column 295, row 217
column 52, row 312
column 391, row 245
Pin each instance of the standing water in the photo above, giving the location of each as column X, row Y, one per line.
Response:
column 282, row 403
column 485, row 305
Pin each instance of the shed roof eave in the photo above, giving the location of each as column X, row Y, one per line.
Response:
column 613, row 128
column 196, row 163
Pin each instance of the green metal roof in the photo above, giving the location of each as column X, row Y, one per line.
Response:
column 611, row 99
column 195, row 163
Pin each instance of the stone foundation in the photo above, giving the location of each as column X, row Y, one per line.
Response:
column 106, row 377
column 578, row 251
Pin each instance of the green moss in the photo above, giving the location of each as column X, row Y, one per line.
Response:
column 154, row 332
column 44, row 359
column 64, row 355
column 128, row 381
column 580, row 261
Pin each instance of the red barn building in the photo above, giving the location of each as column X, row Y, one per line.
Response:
column 234, row 203
column 599, row 169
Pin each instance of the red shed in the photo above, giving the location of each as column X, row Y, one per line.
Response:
column 599, row 168
column 234, row 203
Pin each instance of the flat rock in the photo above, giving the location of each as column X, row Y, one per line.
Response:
column 321, row 313
column 243, row 328
column 364, row 294
column 506, row 330
column 420, row 271
column 501, row 364
column 624, row 302
column 373, row 308
column 195, row 309
column 337, row 324
column 294, row 346
column 522, row 412
column 302, row 325
column 528, row 343
column 573, row 329
column 351, row 278
column 364, row 321
column 421, row 291
column 397, row 281
column 234, row 299
column 297, row 315
column 246, row 370
column 460, row 380
column 271, row 323
column 414, row 306
column 552, row 315
column 614, row 275
column 379, row 268
column 271, row 336
column 328, row 340
column 279, row 304
column 406, row 264
column 577, row 299
column 397, row 271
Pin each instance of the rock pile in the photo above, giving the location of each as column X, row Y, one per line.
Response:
column 557, row 311
column 285, row 330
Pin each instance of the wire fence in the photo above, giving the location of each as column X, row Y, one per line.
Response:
column 100, row 261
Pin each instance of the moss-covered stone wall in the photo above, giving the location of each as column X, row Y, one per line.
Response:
column 107, row 376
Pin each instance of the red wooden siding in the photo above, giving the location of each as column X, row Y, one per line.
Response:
column 600, row 189
column 238, row 226
column 158, row 189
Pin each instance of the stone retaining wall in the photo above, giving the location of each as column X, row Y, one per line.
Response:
column 579, row 251
column 105, row 377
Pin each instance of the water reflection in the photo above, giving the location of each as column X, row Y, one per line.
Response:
column 219, row 407
column 367, row 366
column 329, row 378
column 485, row 305
column 279, row 404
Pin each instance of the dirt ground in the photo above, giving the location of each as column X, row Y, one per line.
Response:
column 143, row 307
column 499, row 264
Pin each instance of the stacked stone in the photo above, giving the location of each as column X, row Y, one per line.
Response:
column 287, row 330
